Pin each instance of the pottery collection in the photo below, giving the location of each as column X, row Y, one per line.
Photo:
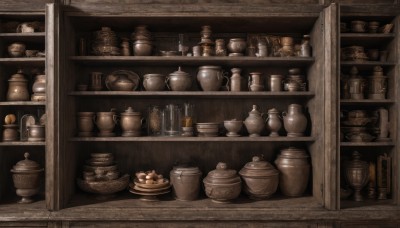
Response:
column 154, row 82
column 106, row 122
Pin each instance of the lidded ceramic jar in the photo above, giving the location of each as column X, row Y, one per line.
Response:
column 294, row 169
column 210, row 77
column 131, row 123
column 222, row 184
column 179, row 81
column 254, row 122
column 260, row 178
column 18, row 87
column 185, row 182
column 357, row 174
column 26, row 177
column 39, row 88
column 294, row 121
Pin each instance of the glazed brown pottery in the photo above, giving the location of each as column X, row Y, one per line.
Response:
column 179, row 81
column 154, row 82
column 131, row 123
column 254, row 122
column 236, row 46
column 356, row 173
column 275, row 83
column 294, row 121
column 294, row 171
column 210, row 77
column 85, row 124
column 26, row 177
column 36, row 133
column 185, row 182
column 16, row 49
column 236, row 80
column 222, row 184
column 260, row 179
column 106, row 121
column 358, row 26
column 142, row 48
column 256, row 82
column 10, row 133
column 39, row 88
column 274, row 122
column 18, row 87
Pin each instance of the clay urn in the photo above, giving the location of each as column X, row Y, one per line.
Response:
column 294, row 121
column 154, row 82
column 274, row 122
column 18, row 87
column 131, row 123
column 260, row 178
column 210, row 77
column 254, row 122
column 222, row 184
column 26, row 177
column 357, row 174
column 179, row 81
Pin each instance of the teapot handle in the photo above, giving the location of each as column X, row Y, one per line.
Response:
column 284, row 113
column 167, row 84
column 225, row 75
column 115, row 119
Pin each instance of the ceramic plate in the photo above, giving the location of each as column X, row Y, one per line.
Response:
column 152, row 186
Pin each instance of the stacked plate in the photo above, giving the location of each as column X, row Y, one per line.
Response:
column 207, row 129
column 105, row 42
column 149, row 189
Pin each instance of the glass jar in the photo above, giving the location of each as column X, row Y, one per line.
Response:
column 172, row 120
column 155, row 123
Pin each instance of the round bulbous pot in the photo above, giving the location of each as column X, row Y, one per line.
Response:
column 274, row 123
column 36, row 133
column 106, row 121
column 179, row 81
column 85, row 124
column 185, row 182
column 211, row 77
column 131, row 123
column 260, row 179
column 294, row 169
column 254, row 122
column 18, row 87
column 10, row 132
column 236, row 45
column 154, row 82
column 39, row 86
column 16, row 49
column 142, row 48
column 222, row 184
column 294, row 121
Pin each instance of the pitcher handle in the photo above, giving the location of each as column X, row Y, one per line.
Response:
column 284, row 113
column 167, row 84
column 115, row 119
column 225, row 75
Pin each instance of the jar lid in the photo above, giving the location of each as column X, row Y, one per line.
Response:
column 258, row 167
column 293, row 152
column 222, row 175
column 130, row 111
column 210, row 67
column 185, row 169
column 26, row 165
column 179, row 72
column 18, row 77
column 273, row 110
column 254, row 111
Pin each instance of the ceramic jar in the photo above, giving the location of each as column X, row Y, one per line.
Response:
column 18, row 87
column 377, row 85
column 26, row 178
column 142, row 48
column 39, row 88
column 274, row 122
column 236, row 80
column 220, row 49
column 16, row 49
column 294, row 121
column 154, row 82
column 358, row 26
column 356, row 85
column 305, row 50
column 131, row 123
column 10, row 132
column 260, row 179
column 36, row 133
column 254, row 122
column 85, row 124
column 294, row 169
column 185, row 182
column 236, row 46
column 222, row 184
column 106, row 121
column 276, row 82
column 357, row 174
column 256, row 82
column 210, row 77
column 179, row 81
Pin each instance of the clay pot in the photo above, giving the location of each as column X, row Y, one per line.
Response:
column 106, row 121
column 85, row 124
column 233, row 127
column 274, row 122
column 18, row 87
column 179, row 81
column 236, row 80
column 254, row 122
column 36, row 133
column 16, row 49
column 121, row 82
column 142, row 48
column 377, row 85
column 222, row 184
column 256, row 82
column 358, row 26
column 275, row 83
column 26, row 177
column 260, row 179
column 294, row 171
column 39, row 88
column 210, row 77
column 373, row 26
column 357, row 174
column 154, row 82
column 131, row 123
column 185, row 182
column 236, row 45
column 294, row 121
column 10, row 133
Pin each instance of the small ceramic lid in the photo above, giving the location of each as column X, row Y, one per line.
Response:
column 185, row 170
column 26, row 165
column 210, row 67
column 130, row 111
column 258, row 168
column 222, row 175
column 179, row 72
column 293, row 152
column 18, row 77
column 254, row 111
column 273, row 111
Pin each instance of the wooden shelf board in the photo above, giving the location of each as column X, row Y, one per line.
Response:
column 192, row 61
column 244, row 94
column 370, row 40
column 366, row 102
column 24, row 61
column 22, row 103
column 366, row 63
column 368, row 204
column 367, row 35
column 193, row 139
column 19, row 143
column 13, row 211
column 349, row 144
column 35, row 37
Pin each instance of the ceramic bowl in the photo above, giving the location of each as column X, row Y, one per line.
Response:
column 233, row 127
column 104, row 187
